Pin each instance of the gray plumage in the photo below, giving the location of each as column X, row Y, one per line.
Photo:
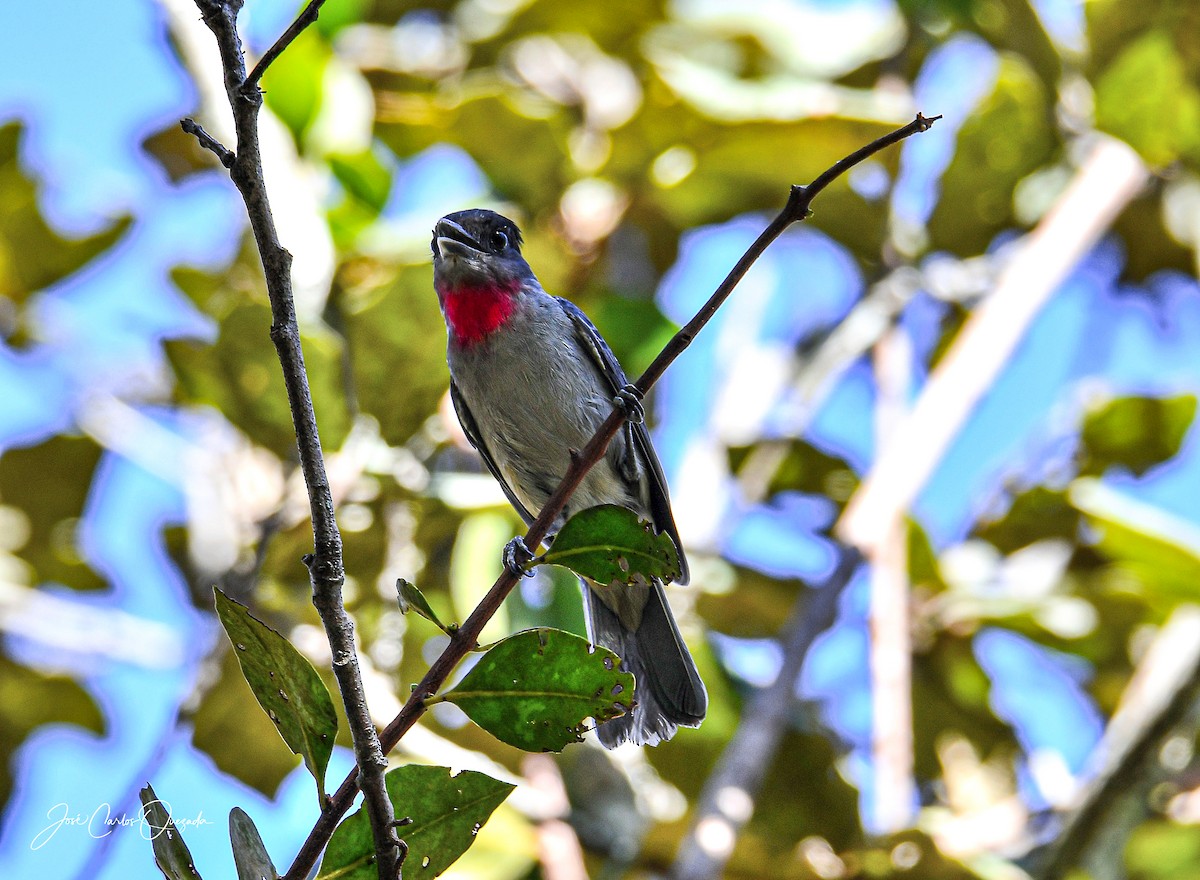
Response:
column 531, row 379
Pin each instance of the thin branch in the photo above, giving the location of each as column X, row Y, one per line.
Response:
column 325, row 565
column 209, row 142
column 726, row 802
column 1161, row 698
column 307, row 16
column 465, row 639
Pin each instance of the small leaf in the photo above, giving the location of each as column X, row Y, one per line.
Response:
column 249, row 854
column 412, row 599
column 170, row 852
column 610, row 543
column 535, row 689
column 446, row 812
column 285, row 685
column 1135, row 432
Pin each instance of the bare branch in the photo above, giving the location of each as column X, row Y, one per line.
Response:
column 465, row 639
column 325, row 566
column 307, row 16
column 209, row 142
column 720, row 815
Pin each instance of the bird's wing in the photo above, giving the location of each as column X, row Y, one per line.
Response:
column 472, row 431
column 608, row 366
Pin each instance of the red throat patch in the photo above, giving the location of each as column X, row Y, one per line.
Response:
column 474, row 313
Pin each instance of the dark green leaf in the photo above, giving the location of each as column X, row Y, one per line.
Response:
column 228, row 725
column 534, row 690
column 29, row 699
column 285, row 685
column 1036, row 514
column 611, row 544
column 32, row 255
column 47, row 486
column 446, row 812
column 249, row 854
column 1135, row 432
column 412, row 599
column 170, row 852
column 976, row 199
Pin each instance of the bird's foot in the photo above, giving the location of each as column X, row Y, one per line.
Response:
column 517, row 555
column 629, row 399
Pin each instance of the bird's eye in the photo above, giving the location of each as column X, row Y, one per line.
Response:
column 499, row 241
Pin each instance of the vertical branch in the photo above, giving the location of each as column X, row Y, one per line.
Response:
column 464, row 639
column 726, row 802
column 890, row 642
column 1109, row 178
column 325, row 565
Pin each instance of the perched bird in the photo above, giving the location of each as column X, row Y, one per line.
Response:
column 531, row 379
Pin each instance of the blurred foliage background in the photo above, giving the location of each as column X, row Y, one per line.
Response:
column 1041, row 593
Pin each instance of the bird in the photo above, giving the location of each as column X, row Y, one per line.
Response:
column 531, row 379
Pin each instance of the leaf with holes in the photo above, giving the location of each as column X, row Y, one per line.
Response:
column 170, row 852
column 446, row 812
column 285, row 685
column 610, row 543
column 249, row 854
column 534, row 690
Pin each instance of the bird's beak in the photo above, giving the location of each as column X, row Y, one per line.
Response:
column 454, row 241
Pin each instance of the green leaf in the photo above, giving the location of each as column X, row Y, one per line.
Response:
column 1154, row 554
column 285, row 685
column 976, row 200
column 249, row 854
column 446, row 812
column 44, row 489
column 1146, row 99
column 1135, row 432
column 293, row 85
column 610, row 544
column 534, row 690
column 170, row 852
column 1035, row 515
column 30, row 699
column 412, row 599
column 32, row 254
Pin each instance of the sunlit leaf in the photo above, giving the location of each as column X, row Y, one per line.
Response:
column 608, row 543
column 534, row 690
column 1135, row 433
column 285, row 685
column 976, row 199
column 446, row 812
column 1146, row 99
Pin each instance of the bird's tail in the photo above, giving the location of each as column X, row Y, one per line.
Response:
column 668, row 692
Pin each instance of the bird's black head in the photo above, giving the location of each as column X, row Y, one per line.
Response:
column 476, row 248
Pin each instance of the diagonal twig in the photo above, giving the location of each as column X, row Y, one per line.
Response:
column 307, row 16
column 464, row 640
column 325, row 566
